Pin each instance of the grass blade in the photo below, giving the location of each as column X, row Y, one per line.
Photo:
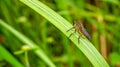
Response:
column 37, row 50
column 9, row 58
column 85, row 46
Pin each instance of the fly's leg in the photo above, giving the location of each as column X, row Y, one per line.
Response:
column 79, row 39
column 72, row 33
column 80, row 35
column 70, row 29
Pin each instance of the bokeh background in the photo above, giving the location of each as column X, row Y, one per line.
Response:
column 101, row 18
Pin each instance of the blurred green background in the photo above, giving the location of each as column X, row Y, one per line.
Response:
column 101, row 18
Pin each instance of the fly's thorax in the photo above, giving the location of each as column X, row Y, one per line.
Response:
column 78, row 26
column 80, row 29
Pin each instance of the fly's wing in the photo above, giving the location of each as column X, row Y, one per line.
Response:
column 86, row 33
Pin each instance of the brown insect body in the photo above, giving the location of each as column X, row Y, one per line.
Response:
column 78, row 26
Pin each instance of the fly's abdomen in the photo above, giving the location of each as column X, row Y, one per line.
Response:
column 83, row 30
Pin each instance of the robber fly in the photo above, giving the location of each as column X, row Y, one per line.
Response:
column 78, row 26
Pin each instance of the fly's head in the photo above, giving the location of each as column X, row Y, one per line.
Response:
column 78, row 26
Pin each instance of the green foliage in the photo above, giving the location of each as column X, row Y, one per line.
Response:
column 30, row 39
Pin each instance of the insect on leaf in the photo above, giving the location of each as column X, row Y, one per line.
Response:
column 78, row 26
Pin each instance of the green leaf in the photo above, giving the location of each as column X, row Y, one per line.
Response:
column 63, row 25
column 9, row 58
column 28, row 42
